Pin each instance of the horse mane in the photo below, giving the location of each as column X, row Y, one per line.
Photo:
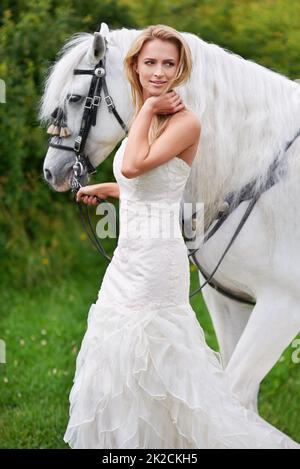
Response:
column 61, row 71
column 247, row 112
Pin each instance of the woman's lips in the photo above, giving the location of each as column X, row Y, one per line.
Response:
column 158, row 83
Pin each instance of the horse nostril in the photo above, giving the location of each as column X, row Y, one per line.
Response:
column 48, row 175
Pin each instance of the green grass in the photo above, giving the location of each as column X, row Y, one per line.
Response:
column 43, row 329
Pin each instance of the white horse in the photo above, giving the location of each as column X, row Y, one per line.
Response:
column 248, row 114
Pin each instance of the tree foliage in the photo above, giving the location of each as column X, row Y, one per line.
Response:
column 33, row 31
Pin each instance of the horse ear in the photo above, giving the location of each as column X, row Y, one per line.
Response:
column 104, row 29
column 98, row 49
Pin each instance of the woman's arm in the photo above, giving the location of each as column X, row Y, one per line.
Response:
column 88, row 194
column 137, row 146
column 182, row 132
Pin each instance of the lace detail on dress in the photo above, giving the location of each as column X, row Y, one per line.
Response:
column 183, row 162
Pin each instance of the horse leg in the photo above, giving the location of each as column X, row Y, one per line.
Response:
column 229, row 318
column 272, row 325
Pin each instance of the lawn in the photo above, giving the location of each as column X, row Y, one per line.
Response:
column 43, row 329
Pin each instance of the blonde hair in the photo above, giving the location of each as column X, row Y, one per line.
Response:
column 164, row 33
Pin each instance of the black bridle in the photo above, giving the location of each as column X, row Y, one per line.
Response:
column 93, row 99
column 83, row 165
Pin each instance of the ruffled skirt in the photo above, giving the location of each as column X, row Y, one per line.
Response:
column 145, row 378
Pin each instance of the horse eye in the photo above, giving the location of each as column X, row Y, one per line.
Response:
column 74, row 98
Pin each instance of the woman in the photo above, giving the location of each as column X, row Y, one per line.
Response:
column 145, row 377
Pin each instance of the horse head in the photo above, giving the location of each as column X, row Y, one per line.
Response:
column 85, row 91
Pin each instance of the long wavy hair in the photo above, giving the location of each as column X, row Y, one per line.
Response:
column 164, row 33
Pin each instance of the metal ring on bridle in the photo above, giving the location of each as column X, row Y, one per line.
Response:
column 78, row 169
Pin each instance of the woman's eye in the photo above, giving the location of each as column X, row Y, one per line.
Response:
column 74, row 98
column 151, row 62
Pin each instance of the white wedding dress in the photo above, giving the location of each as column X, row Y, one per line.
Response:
column 145, row 377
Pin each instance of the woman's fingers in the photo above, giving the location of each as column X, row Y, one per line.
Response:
column 176, row 101
column 175, row 107
column 79, row 195
column 168, row 103
column 175, row 104
column 87, row 199
column 90, row 200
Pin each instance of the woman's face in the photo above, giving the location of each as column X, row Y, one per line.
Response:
column 157, row 62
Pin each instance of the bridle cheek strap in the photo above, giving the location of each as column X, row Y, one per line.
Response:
column 93, row 100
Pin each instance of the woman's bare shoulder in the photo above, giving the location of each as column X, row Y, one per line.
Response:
column 187, row 115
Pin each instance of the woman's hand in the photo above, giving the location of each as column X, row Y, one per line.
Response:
column 166, row 103
column 90, row 194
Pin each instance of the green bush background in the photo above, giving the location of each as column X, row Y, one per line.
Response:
column 48, row 269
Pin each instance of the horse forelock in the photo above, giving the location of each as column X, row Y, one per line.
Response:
column 60, row 74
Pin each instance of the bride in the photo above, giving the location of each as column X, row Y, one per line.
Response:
column 145, row 378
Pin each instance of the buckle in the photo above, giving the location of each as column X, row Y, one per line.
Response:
column 77, row 143
column 109, row 102
column 88, row 102
column 96, row 100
